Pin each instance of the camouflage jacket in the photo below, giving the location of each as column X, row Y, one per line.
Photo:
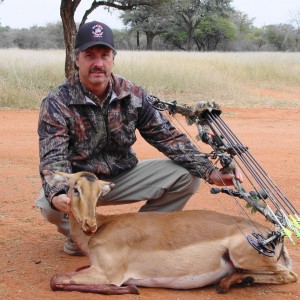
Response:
column 75, row 134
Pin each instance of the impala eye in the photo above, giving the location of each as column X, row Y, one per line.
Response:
column 75, row 190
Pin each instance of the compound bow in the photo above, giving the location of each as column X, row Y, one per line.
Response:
column 229, row 152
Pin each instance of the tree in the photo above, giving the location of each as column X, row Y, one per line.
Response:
column 187, row 15
column 152, row 21
column 295, row 20
column 281, row 35
column 67, row 13
column 175, row 21
column 6, row 40
column 242, row 22
column 257, row 37
column 211, row 31
column 246, row 38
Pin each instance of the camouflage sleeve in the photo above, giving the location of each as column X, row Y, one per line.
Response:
column 53, row 144
column 158, row 131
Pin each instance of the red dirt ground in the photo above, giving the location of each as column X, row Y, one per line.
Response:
column 31, row 249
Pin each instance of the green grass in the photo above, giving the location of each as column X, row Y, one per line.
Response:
column 232, row 79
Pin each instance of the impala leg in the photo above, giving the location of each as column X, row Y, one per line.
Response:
column 89, row 280
column 105, row 289
column 280, row 277
column 235, row 278
column 82, row 268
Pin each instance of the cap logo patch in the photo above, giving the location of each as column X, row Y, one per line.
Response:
column 97, row 30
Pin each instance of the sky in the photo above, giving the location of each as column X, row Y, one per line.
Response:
column 27, row 13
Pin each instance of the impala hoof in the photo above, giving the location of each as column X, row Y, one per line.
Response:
column 247, row 281
column 221, row 290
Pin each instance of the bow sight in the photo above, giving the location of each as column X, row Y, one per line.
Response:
column 229, row 152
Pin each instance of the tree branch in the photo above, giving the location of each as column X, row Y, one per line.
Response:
column 128, row 5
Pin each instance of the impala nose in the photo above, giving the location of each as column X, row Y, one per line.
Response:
column 89, row 227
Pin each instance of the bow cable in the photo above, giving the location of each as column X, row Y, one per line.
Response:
column 242, row 211
column 229, row 151
column 269, row 188
column 252, row 163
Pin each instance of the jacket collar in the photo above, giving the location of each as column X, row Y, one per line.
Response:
column 79, row 95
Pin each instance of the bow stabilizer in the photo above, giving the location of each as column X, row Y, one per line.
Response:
column 228, row 151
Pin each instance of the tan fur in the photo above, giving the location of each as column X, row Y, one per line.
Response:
column 183, row 250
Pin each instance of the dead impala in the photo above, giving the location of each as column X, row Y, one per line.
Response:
column 177, row 250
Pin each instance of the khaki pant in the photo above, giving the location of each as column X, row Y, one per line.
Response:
column 164, row 186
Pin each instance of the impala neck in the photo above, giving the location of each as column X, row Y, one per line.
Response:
column 78, row 235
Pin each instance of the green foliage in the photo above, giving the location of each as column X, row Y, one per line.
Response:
column 151, row 21
column 176, row 38
column 188, row 25
column 187, row 15
column 279, row 36
column 175, row 21
column 257, row 37
column 211, row 31
column 36, row 37
column 243, row 24
column 5, row 38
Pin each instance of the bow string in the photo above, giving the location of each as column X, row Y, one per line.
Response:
column 228, row 151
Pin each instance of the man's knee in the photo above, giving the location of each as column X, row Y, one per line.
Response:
column 51, row 215
column 188, row 181
column 57, row 218
column 180, row 176
column 194, row 183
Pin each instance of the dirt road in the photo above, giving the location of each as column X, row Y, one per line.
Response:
column 31, row 249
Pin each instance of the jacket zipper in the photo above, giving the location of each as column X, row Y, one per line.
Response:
column 104, row 111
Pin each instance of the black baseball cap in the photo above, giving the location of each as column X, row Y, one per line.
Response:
column 94, row 33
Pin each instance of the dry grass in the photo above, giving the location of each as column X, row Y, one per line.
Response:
column 232, row 79
column 26, row 76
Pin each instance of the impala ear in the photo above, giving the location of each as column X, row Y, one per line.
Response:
column 106, row 187
column 56, row 177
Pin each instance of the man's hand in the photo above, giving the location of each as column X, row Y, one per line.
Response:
column 62, row 202
column 220, row 179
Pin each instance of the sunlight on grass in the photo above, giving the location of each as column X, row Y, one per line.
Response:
column 26, row 76
column 232, row 79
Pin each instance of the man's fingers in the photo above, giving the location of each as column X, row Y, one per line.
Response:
column 238, row 175
column 62, row 203
column 221, row 179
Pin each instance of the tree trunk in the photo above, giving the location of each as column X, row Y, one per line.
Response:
column 67, row 11
column 138, row 39
column 150, row 37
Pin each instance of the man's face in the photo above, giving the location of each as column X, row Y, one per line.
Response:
column 95, row 65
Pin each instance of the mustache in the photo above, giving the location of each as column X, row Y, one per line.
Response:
column 97, row 69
